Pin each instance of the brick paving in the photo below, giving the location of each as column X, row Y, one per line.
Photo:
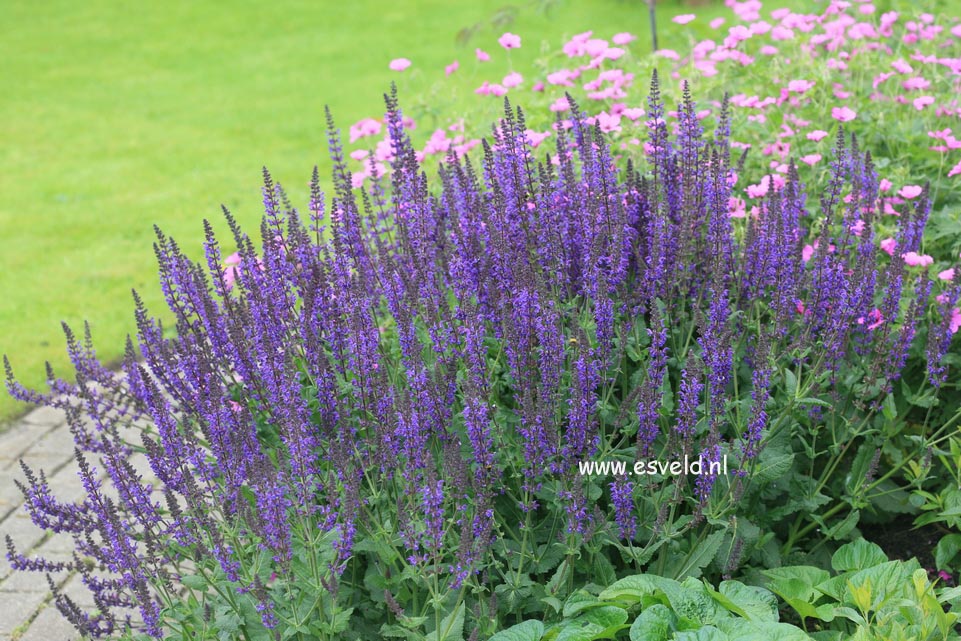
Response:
column 27, row 613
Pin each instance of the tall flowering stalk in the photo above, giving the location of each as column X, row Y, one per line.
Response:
column 409, row 382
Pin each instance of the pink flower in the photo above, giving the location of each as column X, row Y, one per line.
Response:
column 843, row 114
column 451, row 68
column 910, row 191
column 807, row 252
column 800, row 86
column 917, row 260
column 482, row 55
column 956, row 170
column 902, row 67
column 535, row 138
column 817, row 135
column 623, row 38
column 399, row 64
column 670, row 54
column 888, row 245
column 955, row 325
column 717, row 22
column 560, row 104
column 364, row 128
column 512, row 80
column 947, row 274
column 875, row 318
column 923, row 101
column 510, row 41
column 917, row 82
column 885, row 185
column 811, row 159
column 759, row 190
column 608, row 122
column 633, row 113
column 683, row 18
column 359, row 154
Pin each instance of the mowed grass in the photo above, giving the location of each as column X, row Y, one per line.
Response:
column 118, row 116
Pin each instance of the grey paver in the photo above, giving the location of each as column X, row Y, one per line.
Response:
column 16, row 608
column 50, row 626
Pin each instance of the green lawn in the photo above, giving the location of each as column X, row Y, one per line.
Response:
column 116, row 116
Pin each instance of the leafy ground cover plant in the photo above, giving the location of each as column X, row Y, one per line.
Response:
column 379, row 427
column 869, row 597
column 653, row 608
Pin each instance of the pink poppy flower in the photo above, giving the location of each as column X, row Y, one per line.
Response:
column 888, row 245
column 399, row 64
column 510, row 41
column 917, row 260
column 915, row 83
column 902, row 67
column 451, row 68
column 817, row 135
column 683, row 18
column 843, row 114
column 910, row 191
column 875, row 319
column 885, row 185
column 560, row 104
column 512, row 80
column 623, row 38
column 633, row 113
column 956, row 170
column 807, row 252
column 954, row 326
column 364, row 128
column 482, row 55
column 535, row 138
column 922, row 101
column 800, row 86
column 947, row 274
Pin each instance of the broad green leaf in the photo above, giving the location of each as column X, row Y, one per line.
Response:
column 526, row 631
column 947, row 548
column 756, row 603
column 857, row 555
column 195, row 582
column 580, row 600
column 634, row 587
column 655, row 623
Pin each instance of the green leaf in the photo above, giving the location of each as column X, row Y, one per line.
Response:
column 690, row 600
column 634, row 587
column 579, row 601
column 889, row 409
column 195, row 582
column 790, row 383
column 756, row 603
column 773, row 465
column 858, row 555
column 947, row 548
column 451, row 627
column 702, row 555
column 526, row 631
column 655, row 623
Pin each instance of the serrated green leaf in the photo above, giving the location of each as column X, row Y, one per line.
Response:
column 526, row 631
column 655, row 623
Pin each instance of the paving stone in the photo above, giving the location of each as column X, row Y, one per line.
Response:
column 16, row 609
column 28, row 582
column 45, row 416
column 78, row 592
column 21, row 529
column 50, row 626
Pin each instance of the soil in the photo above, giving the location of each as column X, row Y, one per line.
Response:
column 900, row 539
